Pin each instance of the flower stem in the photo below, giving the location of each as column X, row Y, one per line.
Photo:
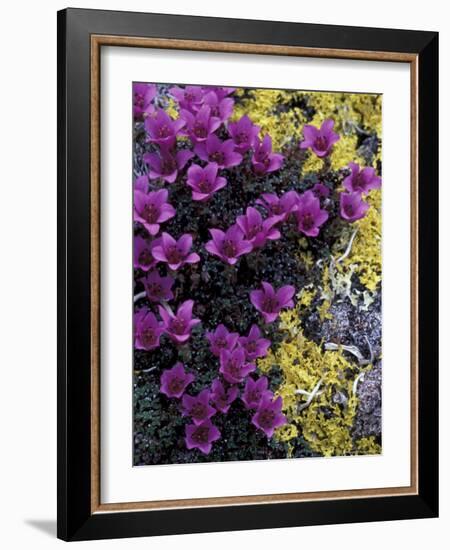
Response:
column 139, row 296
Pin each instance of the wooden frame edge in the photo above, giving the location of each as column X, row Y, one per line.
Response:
column 230, row 47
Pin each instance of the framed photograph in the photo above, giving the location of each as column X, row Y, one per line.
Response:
column 247, row 255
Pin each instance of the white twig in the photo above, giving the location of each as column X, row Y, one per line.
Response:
column 331, row 346
column 311, row 395
column 137, row 297
column 349, row 247
column 370, row 348
column 146, row 370
column 355, row 383
column 166, row 306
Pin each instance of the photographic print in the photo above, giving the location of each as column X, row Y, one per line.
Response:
column 257, row 273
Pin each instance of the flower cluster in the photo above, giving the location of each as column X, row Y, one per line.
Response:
column 200, row 150
column 236, row 356
column 358, row 183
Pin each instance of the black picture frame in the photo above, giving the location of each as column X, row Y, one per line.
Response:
column 75, row 518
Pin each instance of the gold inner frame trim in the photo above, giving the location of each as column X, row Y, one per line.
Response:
column 97, row 41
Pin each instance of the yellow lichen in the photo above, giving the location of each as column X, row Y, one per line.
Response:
column 283, row 126
column 172, row 107
column 324, row 424
column 326, row 296
column 368, row 446
column 306, row 296
column 365, row 254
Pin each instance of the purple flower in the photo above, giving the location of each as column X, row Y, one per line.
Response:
column 222, row 398
column 320, row 140
column 243, row 133
column 233, row 365
column 179, row 326
column 263, row 160
column 202, row 436
column 162, row 129
column 166, row 165
column 152, row 208
column 220, row 108
column 200, row 125
column 143, row 258
column 147, row 330
column 198, row 407
column 220, row 91
column 253, row 345
column 143, row 95
column 269, row 302
column 321, row 191
column 255, row 391
column 309, row 214
column 279, row 207
column 158, row 288
column 204, row 182
column 190, row 97
column 174, row 381
column 221, row 152
column 268, row 416
column 255, row 229
column 361, row 180
column 228, row 245
column 141, row 183
column 221, row 339
column 175, row 253
column 352, row 206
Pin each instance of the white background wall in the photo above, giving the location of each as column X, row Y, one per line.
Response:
column 28, row 272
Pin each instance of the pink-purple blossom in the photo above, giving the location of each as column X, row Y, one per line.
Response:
column 220, row 108
column 279, row 207
column 141, row 183
column 174, row 381
column 254, row 345
column 268, row 415
column 243, row 132
column 162, row 129
column 310, row 216
column 218, row 151
column 176, row 253
column 201, row 124
column 255, row 391
column 201, row 436
column 269, row 302
column 321, row 191
column 166, row 164
column 157, row 288
column 179, row 325
column 263, row 160
column 143, row 95
column 190, row 97
column 352, row 206
column 361, row 179
column 234, row 366
column 222, row 397
column 221, row 339
column 204, row 182
column 320, row 140
column 143, row 258
column 256, row 230
column 198, row 407
column 147, row 330
column 151, row 209
column 228, row 245
column 220, row 91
